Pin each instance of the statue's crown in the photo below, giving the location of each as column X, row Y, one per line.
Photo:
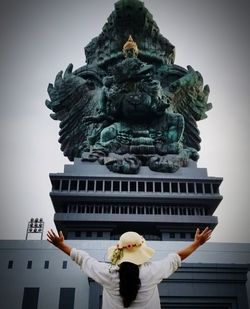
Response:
column 130, row 44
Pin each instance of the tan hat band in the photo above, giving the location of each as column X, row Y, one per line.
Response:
column 130, row 246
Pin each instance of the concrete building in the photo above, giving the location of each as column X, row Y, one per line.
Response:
column 93, row 207
column 34, row 274
column 92, row 202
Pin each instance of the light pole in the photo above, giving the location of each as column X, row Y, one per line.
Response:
column 35, row 226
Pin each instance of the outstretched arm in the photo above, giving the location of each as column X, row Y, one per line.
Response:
column 199, row 239
column 58, row 241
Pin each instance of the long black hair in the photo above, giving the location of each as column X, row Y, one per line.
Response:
column 129, row 282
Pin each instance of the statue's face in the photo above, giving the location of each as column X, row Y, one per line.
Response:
column 130, row 53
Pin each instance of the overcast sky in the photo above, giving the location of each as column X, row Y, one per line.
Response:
column 40, row 38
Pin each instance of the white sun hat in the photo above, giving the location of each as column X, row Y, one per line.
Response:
column 132, row 248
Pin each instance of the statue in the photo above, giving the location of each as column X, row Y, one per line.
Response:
column 130, row 107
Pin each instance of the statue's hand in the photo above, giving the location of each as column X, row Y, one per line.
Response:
column 191, row 79
column 67, row 87
column 68, row 76
column 66, row 91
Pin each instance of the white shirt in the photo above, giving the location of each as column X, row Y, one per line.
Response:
column 150, row 273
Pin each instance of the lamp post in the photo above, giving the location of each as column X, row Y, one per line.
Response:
column 36, row 226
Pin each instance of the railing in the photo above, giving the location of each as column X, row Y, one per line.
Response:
column 121, row 186
column 136, row 209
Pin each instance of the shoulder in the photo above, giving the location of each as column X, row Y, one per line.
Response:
column 161, row 269
column 171, row 258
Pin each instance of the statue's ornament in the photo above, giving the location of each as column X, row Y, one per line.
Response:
column 130, row 45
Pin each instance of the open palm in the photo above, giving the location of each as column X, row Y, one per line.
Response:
column 55, row 239
column 202, row 237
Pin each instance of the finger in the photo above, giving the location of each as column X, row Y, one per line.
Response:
column 49, row 234
column 206, row 90
column 50, row 231
column 190, row 69
column 53, row 233
column 197, row 232
column 209, row 232
column 58, row 77
column 68, row 69
column 208, row 238
column 50, row 239
column 50, row 90
column 199, row 76
column 61, row 234
column 205, row 230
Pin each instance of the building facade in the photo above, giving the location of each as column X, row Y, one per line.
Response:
column 92, row 202
column 35, row 275
column 93, row 206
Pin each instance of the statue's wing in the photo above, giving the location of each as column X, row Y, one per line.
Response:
column 188, row 97
column 73, row 97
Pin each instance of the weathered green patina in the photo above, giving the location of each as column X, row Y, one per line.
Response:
column 130, row 105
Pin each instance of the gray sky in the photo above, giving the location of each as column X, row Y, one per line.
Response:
column 40, row 38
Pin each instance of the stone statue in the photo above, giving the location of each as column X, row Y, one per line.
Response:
column 130, row 106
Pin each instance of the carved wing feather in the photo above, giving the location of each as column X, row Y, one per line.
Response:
column 73, row 97
column 189, row 98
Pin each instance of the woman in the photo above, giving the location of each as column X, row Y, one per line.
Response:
column 131, row 280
